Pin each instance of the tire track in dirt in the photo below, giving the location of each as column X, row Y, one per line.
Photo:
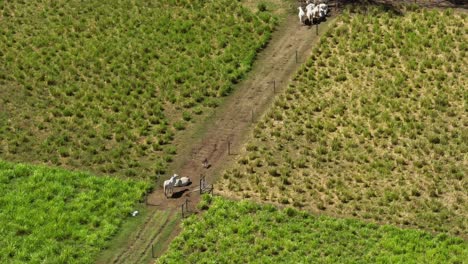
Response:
column 152, row 220
column 140, row 247
column 158, row 233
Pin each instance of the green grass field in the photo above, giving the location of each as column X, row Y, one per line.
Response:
column 104, row 86
column 243, row 232
column 373, row 126
column 55, row 216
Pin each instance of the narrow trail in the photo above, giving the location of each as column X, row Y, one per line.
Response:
column 227, row 128
column 158, row 219
column 150, row 237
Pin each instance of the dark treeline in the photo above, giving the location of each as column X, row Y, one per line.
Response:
column 426, row 3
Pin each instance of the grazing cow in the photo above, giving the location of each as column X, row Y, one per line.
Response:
column 301, row 15
column 309, row 11
column 169, row 184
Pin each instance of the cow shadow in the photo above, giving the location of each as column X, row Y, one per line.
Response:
column 179, row 194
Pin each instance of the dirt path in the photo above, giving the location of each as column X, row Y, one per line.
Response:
column 227, row 128
column 152, row 226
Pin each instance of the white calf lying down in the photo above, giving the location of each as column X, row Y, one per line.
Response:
column 183, row 181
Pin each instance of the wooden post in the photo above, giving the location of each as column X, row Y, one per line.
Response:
column 152, row 250
column 252, row 116
column 229, row 147
column 182, row 207
column 201, row 177
column 274, row 86
column 296, row 57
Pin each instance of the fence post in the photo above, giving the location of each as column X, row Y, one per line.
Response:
column 152, row 251
column 274, row 86
column 252, row 115
column 296, row 56
column 229, row 147
column 201, row 186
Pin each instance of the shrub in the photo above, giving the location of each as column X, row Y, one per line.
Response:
column 262, row 7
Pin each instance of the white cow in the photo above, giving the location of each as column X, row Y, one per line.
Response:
column 315, row 15
column 169, row 184
column 183, row 181
column 309, row 11
column 323, row 9
column 301, row 15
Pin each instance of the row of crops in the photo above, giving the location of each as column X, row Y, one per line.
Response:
column 55, row 216
column 105, row 85
column 244, row 232
column 373, row 126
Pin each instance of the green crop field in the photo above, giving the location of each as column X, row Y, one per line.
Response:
column 105, row 85
column 243, row 232
column 55, row 216
column 373, row 126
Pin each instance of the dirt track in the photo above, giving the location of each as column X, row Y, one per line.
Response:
column 234, row 119
column 230, row 124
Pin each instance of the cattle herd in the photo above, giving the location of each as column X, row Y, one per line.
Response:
column 315, row 11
